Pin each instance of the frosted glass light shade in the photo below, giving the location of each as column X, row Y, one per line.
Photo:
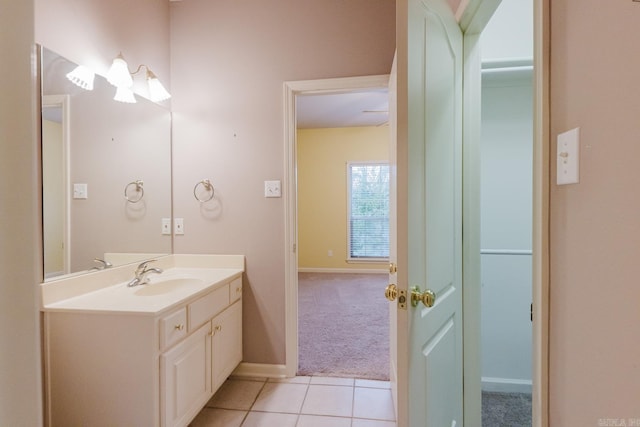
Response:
column 118, row 74
column 157, row 92
column 82, row 77
column 124, row 94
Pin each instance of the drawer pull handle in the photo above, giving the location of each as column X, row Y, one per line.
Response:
column 218, row 328
column 179, row 327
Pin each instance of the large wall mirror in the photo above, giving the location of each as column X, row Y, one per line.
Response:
column 106, row 174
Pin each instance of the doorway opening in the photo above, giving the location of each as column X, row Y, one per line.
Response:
column 336, row 281
column 506, row 253
column 506, row 188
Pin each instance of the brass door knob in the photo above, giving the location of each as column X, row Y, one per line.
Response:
column 427, row 297
column 391, row 292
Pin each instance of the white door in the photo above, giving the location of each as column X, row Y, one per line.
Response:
column 428, row 225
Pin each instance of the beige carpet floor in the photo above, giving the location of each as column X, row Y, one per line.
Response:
column 343, row 322
column 343, row 325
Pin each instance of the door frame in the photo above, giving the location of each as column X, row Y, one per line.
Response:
column 473, row 20
column 541, row 183
column 291, row 90
column 63, row 102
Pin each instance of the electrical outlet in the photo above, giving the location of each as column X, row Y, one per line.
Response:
column 166, row 226
column 329, row 252
column 179, row 226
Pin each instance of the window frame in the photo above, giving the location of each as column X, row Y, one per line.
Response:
column 349, row 165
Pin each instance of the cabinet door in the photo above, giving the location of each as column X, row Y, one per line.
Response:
column 227, row 343
column 185, row 378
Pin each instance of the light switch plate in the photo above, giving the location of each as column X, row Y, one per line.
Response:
column 272, row 189
column 568, row 157
column 80, row 191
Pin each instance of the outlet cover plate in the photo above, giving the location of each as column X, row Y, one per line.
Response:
column 179, row 226
column 166, row 226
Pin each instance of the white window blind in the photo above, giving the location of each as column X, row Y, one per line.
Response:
column 368, row 210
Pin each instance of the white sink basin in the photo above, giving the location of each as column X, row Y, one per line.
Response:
column 162, row 286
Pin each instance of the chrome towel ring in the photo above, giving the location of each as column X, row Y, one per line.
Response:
column 208, row 188
column 139, row 191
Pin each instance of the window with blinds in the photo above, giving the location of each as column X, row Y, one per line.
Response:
column 368, row 211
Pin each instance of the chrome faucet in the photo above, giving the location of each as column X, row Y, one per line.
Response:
column 103, row 264
column 142, row 272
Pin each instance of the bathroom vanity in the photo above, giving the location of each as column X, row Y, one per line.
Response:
column 148, row 355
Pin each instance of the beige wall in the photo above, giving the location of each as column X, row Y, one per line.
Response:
column 595, row 226
column 20, row 247
column 229, row 61
column 322, row 191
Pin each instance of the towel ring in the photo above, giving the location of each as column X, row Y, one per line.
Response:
column 139, row 190
column 207, row 186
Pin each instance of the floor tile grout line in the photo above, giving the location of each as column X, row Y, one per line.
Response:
column 255, row 399
column 306, row 393
column 353, row 402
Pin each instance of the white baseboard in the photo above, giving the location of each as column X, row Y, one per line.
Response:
column 260, row 370
column 344, row 270
column 506, row 385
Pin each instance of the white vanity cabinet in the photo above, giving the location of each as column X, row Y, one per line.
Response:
column 140, row 369
column 226, row 347
column 192, row 370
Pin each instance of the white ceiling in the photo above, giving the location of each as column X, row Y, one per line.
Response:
column 350, row 109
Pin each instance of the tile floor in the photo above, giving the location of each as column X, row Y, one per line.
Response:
column 299, row 402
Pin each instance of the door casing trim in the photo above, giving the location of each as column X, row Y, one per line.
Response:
column 291, row 90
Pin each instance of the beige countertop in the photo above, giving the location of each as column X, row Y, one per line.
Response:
column 184, row 278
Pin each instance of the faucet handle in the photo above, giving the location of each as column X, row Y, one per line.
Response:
column 104, row 264
column 143, row 265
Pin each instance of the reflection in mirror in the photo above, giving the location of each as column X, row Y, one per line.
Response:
column 93, row 148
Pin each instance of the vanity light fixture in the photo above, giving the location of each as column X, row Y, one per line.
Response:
column 124, row 94
column 120, row 76
column 157, row 92
column 82, row 77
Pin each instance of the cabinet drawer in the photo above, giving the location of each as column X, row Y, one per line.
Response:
column 204, row 308
column 173, row 328
column 235, row 290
